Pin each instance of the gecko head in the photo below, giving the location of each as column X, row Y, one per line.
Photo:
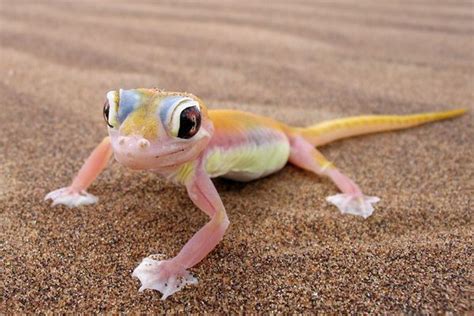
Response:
column 155, row 129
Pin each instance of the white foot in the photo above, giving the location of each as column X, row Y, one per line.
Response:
column 164, row 276
column 70, row 197
column 353, row 204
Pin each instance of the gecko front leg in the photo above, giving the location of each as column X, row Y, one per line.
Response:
column 351, row 200
column 169, row 276
column 76, row 194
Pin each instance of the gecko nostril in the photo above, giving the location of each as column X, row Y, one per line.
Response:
column 121, row 140
column 143, row 143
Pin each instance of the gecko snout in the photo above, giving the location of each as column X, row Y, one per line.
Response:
column 132, row 143
column 132, row 151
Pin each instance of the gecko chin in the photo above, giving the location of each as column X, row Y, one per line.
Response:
column 139, row 153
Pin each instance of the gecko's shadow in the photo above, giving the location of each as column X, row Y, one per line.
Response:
column 146, row 188
column 168, row 215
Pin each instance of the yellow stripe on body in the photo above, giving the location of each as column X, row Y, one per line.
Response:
column 247, row 162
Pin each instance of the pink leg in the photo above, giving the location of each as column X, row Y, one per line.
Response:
column 169, row 276
column 352, row 200
column 75, row 194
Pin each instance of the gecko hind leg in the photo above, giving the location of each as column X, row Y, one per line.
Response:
column 351, row 200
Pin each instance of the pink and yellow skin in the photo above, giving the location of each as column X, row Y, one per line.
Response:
column 174, row 135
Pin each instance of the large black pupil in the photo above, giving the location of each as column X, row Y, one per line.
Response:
column 106, row 112
column 189, row 122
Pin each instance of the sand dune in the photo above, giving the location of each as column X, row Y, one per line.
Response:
column 286, row 249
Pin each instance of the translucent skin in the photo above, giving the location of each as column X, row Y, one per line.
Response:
column 233, row 144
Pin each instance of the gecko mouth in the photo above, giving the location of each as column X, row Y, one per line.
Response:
column 137, row 152
column 170, row 153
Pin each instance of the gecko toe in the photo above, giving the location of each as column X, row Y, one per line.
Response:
column 67, row 196
column 354, row 204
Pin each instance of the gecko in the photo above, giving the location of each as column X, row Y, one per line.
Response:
column 175, row 135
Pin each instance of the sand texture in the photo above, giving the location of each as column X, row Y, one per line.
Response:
column 286, row 249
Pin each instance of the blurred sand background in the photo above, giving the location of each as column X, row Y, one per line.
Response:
column 286, row 249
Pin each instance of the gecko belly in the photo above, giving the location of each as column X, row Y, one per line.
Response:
column 249, row 161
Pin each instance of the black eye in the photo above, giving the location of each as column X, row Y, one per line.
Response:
column 106, row 112
column 189, row 122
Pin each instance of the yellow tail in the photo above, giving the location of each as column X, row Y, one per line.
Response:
column 329, row 131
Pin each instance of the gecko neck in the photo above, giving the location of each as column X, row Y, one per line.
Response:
column 180, row 174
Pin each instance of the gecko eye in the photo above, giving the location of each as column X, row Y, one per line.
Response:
column 110, row 109
column 189, row 122
column 185, row 119
column 106, row 111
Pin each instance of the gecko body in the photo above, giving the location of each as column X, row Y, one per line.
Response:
column 174, row 135
column 245, row 146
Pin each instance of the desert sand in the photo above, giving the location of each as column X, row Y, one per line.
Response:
column 287, row 249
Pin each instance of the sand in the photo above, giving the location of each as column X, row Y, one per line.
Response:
column 287, row 249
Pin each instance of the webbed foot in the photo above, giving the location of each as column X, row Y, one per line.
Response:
column 70, row 197
column 164, row 276
column 354, row 204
